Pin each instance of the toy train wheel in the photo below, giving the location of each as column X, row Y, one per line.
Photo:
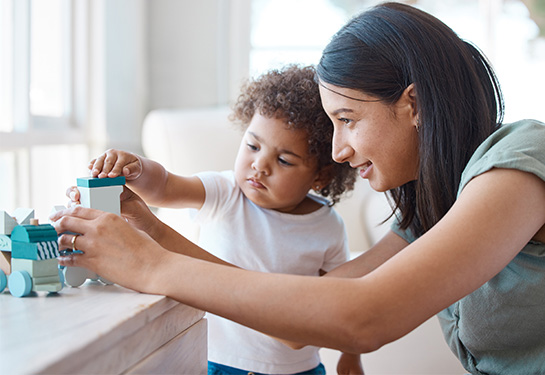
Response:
column 75, row 276
column 20, row 283
column 3, row 281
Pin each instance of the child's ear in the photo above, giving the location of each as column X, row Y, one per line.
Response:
column 324, row 178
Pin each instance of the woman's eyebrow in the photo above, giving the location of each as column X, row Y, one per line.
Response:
column 341, row 110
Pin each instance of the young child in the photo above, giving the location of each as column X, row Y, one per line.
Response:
column 260, row 216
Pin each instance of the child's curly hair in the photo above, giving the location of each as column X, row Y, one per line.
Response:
column 292, row 94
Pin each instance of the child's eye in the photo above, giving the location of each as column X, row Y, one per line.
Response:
column 284, row 162
column 252, row 147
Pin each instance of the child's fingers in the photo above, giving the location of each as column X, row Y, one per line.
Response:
column 133, row 169
column 110, row 165
column 98, row 163
column 73, row 193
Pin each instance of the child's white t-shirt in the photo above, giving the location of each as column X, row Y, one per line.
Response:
column 236, row 230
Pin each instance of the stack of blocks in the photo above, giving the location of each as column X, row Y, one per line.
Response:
column 32, row 250
column 101, row 194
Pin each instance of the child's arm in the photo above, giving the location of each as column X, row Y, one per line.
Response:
column 150, row 180
column 350, row 364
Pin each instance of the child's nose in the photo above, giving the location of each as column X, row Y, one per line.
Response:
column 261, row 165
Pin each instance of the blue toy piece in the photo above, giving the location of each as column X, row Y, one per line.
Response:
column 20, row 284
column 94, row 182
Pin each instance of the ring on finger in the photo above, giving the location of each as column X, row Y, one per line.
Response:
column 74, row 242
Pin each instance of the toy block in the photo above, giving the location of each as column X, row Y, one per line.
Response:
column 5, row 262
column 7, row 223
column 5, row 243
column 35, row 250
column 36, row 242
column 76, row 276
column 23, row 215
column 44, row 268
column 33, row 233
column 46, row 280
column 102, row 198
column 51, row 287
column 93, row 182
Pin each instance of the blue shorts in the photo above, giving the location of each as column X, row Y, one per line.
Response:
column 217, row 369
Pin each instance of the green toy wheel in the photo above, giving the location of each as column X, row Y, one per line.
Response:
column 3, row 281
column 20, row 283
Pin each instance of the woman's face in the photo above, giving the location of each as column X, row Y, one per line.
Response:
column 378, row 139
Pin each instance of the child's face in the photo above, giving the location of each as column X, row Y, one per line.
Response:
column 273, row 167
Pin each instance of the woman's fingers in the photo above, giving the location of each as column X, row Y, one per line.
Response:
column 72, row 212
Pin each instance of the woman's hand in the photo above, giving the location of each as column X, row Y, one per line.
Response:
column 133, row 209
column 349, row 364
column 115, row 163
column 111, row 247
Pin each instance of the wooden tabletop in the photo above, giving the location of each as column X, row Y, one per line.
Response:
column 91, row 329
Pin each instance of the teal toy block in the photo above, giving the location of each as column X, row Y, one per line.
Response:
column 3, row 281
column 93, row 182
column 35, row 242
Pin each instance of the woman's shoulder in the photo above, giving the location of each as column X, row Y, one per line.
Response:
column 517, row 145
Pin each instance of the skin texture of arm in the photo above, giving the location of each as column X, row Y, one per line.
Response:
column 492, row 220
column 160, row 188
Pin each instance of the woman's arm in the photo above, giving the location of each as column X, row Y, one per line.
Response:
column 492, row 220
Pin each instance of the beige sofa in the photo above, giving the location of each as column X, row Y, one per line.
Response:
column 193, row 140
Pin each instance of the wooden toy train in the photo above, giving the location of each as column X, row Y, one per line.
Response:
column 28, row 250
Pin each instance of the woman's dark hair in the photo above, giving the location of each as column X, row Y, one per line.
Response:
column 291, row 94
column 458, row 98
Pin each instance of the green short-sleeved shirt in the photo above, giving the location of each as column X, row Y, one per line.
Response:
column 500, row 328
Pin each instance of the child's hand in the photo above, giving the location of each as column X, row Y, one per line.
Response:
column 115, row 163
column 349, row 364
column 73, row 193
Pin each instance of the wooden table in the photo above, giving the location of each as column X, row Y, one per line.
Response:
column 98, row 329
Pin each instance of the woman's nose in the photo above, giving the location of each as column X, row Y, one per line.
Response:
column 341, row 150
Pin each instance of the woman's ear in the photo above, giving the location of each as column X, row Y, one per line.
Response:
column 407, row 103
column 410, row 91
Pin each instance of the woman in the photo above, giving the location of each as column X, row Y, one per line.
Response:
column 418, row 112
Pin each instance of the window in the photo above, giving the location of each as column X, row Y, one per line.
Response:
column 295, row 31
column 42, row 143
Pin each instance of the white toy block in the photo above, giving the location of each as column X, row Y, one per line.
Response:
column 23, row 215
column 102, row 198
column 7, row 223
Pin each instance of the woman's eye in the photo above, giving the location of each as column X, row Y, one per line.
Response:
column 344, row 120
